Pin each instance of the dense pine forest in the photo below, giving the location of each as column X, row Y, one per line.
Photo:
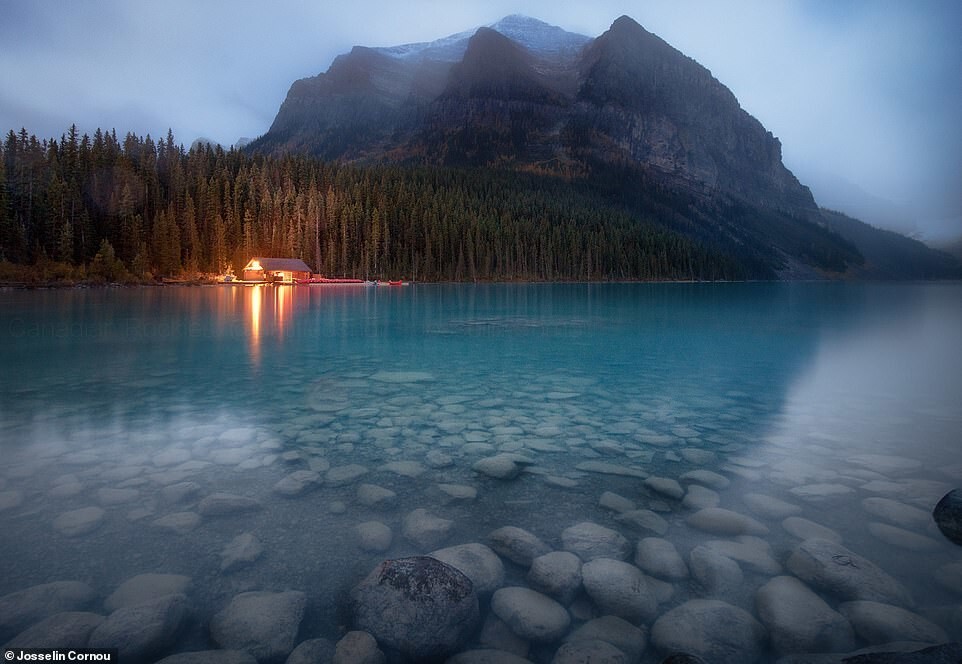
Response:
column 134, row 209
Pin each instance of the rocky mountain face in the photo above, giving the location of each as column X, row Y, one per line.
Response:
column 523, row 94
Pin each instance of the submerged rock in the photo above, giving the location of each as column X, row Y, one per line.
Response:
column 357, row 647
column 373, row 536
column 804, row 529
column 616, row 631
column 716, row 574
column 145, row 587
column 420, row 606
column 312, row 651
column 143, row 630
column 948, row 515
column 240, row 551
column 424, row 529
column 660, row 558
column 719, row 521
column 218, row 504
column 501, row 467
column 644, row 520
column 79, row 522
column 23, row 608
column 769, row 506
column 495, row 634
column 713, row 630
column 70, row 629
column 665, row 486
column 901, row 538
column 530, row 614
column 486, row 656
column 830, row 567
column 297, row 483
column 517, row 545
column 478, row 562
column 800, row 621
column 619, row 589
column 883, row 623
column 557, row 574
column 589, row 652
column 589, row 540
column 210, row 657
column 263, row 624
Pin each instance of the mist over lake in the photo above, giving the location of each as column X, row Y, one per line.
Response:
column 739, row 421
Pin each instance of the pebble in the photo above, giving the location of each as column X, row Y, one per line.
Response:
column 357, row 647
column 145, row 587
column 883, row 623
column 707, row 478
column 770, row 506
column 614, row 630
column 530, row 614
column 901, row 538
column 644, row 520
column 711, row 629
column 517, row 545
column 719, row 521
column 557, row 574
column 800, row 621
column 261, row 623
column 659, row 557
column 424, row 529
column 619, row 588
column 79, row 522
column 240, row 552
column 804, row 529
column 589, row 541
column 478, row 562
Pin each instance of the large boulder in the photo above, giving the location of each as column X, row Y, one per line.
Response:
column 419, row 606
column 142, row 631
column 800, row 621
column 711, row 629
column 23, row 608
column 263, row 624
column 948, row 515
column 830, row 567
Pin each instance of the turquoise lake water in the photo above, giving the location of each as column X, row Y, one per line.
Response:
column 824, row 396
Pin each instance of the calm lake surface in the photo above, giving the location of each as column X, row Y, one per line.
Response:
column 842, row 400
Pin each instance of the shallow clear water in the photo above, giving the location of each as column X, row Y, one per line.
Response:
column 774, row 386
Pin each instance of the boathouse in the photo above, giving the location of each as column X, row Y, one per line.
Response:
column 283, row 270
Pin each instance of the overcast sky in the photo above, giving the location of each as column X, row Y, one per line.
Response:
column 865, row 95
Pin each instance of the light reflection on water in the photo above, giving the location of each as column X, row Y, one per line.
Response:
column 783, row 385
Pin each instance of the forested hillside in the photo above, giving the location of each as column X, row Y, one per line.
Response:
column 111, row 208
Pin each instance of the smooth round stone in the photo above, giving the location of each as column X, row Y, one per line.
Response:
column 495, row 634
column 501, row 467
column 221, row 504
column 23, row 608
column 699, row 497
column 752, row 552
column 901, row 538
column 589, row 652
column 950, row 576
column 297, row 483
column 948, row 515
column 373, row 536
column 410, row 469
column 804, row 529
column 706, row 478
column 145, row 587
column 616, row 503
column 715, row 573
column 420, row 606
column 883, row 623
column 261, row 623
column 644, row 520
column 357, row 647
column 530, row 614
column 719, row 521
column 427, row 531
column 311, row 651
column 478, row 562
column 79, row 522
column 711, row 629
column 343, row 475
column 614, row 630
column 665, row 486
column 486, row 656
column 240, row 551
column 833, row 569
column 660, row 558
column 769, row 506
column 897, row 513
column 619, row 589
column 142, row 631
column 589, row 541
column 372, row 495
column 799, row 621
column 557, row 574
column 517, row 545
column 458, row 491
column 70, row 629
column 179, row 522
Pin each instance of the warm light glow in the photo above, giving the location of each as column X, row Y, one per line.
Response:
column 254, row 265
column 281, row 305
column 256, row 296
